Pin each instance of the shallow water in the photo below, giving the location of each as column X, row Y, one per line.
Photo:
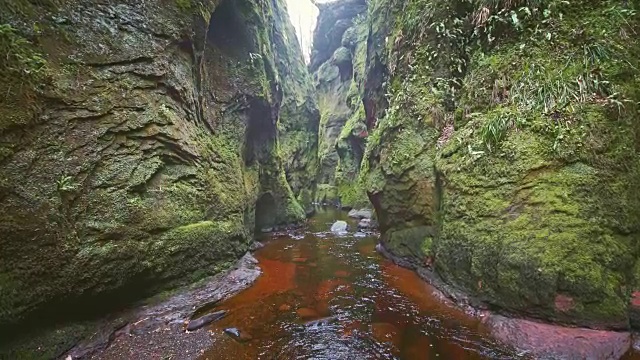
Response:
column 376, row 309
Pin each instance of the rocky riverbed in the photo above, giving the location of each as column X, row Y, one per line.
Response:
column 161, row 330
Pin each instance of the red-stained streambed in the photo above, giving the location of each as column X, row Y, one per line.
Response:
column 379, row 310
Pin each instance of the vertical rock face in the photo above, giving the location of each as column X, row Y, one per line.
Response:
column 507, row 157
column 136, row 139
column 338, row 63
column 299, row 115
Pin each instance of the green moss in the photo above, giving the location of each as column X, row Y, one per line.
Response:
column 224, row 239
column 341, row 55
column 532, row 195
column 351, row 194
column 22, row 73
column 326, row 193
column 10, row 300
column 294, row 212
column 48, row 345
column 544, row 218
column 184, row 5
column 411, row 242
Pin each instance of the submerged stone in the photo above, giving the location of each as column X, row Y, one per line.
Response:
column 307, row 313
column 321, row 322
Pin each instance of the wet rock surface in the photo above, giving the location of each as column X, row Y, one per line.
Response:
column 256, row 245
column 488, row 216
column 530, row 338
column 337, row 63
column 546, row 341
column 153, row 144
column 339, row 227
column 321, row 322
column 367, row 224
column 361, row 214
column 237, row 334
column 196, row 324
column 162, row 329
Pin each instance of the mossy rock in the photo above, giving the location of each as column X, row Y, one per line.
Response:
column 139, row 186
column 327, row 194
column 528, row 194
column 341, row 56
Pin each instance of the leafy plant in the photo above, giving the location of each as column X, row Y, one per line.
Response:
column 254, row 57
column 495, row 129
column 66, row 184
column 19, row 57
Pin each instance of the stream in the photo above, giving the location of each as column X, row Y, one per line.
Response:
column 323, row 296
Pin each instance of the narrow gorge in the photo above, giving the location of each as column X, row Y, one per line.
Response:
column 150, row 149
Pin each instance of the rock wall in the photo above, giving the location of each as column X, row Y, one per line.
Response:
column 504, row 150
column 299, row 115
column 137, row 139
column 338, row 63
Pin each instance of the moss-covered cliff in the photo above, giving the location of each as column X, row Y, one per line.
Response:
column 507, row 157
column 299, row 115
column 338, row 63
column 137, row 140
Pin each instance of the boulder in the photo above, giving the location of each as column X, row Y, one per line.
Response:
column 307, row 313
column 367, row 224
column 361, row 214
column 339, row 227
column 255, row 246
column 321, row 322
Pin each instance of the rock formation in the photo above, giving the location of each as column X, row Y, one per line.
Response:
column 338, row 62
column 138, row 140
column 503, row 150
